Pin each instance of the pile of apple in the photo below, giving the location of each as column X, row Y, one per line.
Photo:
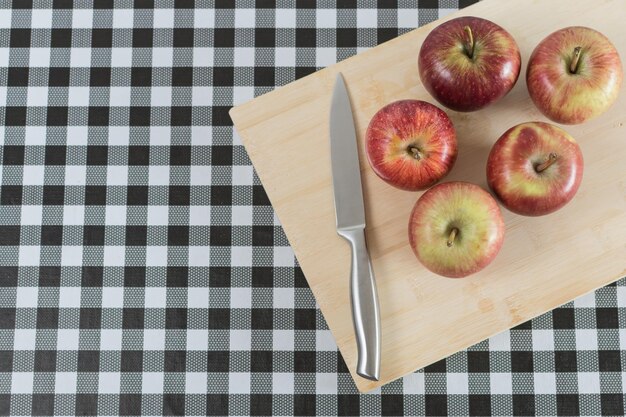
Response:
column 534, row 168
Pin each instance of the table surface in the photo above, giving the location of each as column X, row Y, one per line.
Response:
column 143, row 269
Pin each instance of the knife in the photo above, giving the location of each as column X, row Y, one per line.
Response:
column 350, row 214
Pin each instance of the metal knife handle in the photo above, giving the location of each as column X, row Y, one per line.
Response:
column 365, row 310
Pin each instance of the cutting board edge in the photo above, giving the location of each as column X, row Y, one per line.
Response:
column 364, row 386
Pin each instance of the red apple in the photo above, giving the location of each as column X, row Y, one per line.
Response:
column 574, row 74
column 535, row 168
column 411, row 144
column 468, row 63
column 456, row 229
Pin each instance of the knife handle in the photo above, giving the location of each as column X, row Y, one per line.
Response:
column 365, row 309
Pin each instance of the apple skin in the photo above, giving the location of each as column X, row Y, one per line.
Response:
column 512, row 168
column 569, row 98
column 404, row 125
column 480, row 226
column 462, row 83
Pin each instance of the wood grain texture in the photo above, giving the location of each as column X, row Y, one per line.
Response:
column 544, row 262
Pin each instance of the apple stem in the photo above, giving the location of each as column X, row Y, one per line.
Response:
column 415, row 152
column 470, row 43
column 573, row 66
column 544, row 165
column 452, row 236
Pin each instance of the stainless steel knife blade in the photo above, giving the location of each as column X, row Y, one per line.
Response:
column 349, row 208
column 350, row 215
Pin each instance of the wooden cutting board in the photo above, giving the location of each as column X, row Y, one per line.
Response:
column 544, row 262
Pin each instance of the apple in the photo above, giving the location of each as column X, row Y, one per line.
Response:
column 456, row 229
column 535, row 168
column 574, row 74
column 411, row 144
column 468, row 63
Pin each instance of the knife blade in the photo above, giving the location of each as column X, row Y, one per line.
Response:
column 350, row 216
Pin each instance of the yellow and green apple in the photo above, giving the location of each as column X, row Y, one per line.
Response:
column 535, row 168
column 456, row 229
column 574, row 75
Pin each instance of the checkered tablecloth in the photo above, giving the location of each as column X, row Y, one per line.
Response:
column 142, row 269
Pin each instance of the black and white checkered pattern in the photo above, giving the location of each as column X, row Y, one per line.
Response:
column 143, row 271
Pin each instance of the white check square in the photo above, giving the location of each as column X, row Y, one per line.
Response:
column 39, row 57
column 26, row 297
column 457, row 383
column 22, row 383
column 80, row 57
column 282, row 383
column 163, row 18
column 243, row 175
column 33, row 174
column 195, row 383
column 161, row 96
column 117, row 175
column 326, row 383
column 24, row 339
column 545, row 383
column 367, row 18
column 162, row 57
column 67, row 339
column 121, row 57
column 78, row 96
column 153, row 339
column 72, row 255
column 29, row 255
column 111, row 339
column 198, row 339
column 198, row 256
column 115, row 215
column 75, row 175
column 120, row 96
column 285, row 18
column 240, row 297
column 241, row 256
column 69, row 297
column 285, row 57
column 283, row 339
column 283, row 298
column 37, row 96
column 203, row 57
column 31, row 215
column 40, row 19
column 82, row 18
column 198, row 297
column 501, row 341
column 199, row 215
column 114, row 255
column 240, row 339
column 113, row 297
column 589, row 382
column 65, row 382
column 108, row 382
column 155, row 297
column 244, row 57
column 238, row 383
column 501, row 383
column 204, row 18
column 245, row 18
column 326, row 18
column 123, row 18
column 152, row 383
column 543, row 339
